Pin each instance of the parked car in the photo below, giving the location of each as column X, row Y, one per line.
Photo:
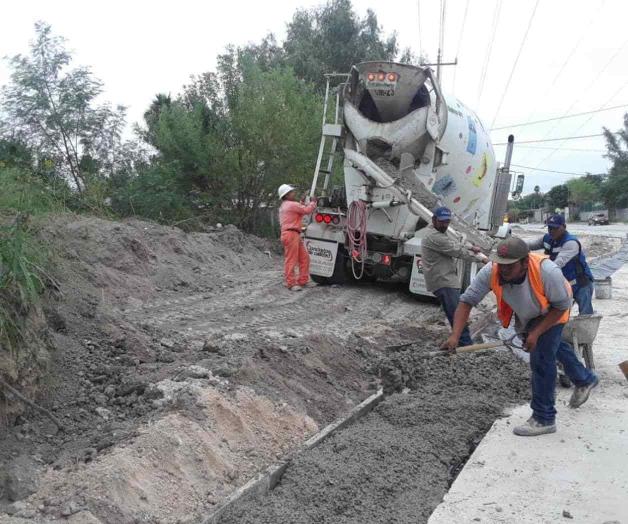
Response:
column 599, row 219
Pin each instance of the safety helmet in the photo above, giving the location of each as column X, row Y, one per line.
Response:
column 284, row 189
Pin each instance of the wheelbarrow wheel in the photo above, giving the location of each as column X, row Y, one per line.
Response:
column 587, row 354
column 564, row 380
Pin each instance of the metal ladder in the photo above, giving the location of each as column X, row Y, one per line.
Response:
column 331, row 131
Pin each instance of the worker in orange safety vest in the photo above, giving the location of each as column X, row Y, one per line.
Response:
column 533, row 288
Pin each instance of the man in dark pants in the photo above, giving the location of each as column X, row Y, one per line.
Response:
column 439, row 254
column 532, row 288
column 565, row 250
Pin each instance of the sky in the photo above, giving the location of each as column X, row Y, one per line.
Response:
column 519, row 61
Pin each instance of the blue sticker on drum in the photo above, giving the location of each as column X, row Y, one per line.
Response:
column 444, row 186
column 473, row 137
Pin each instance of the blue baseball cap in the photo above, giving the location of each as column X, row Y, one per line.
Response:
column 556, row 221
column 442, row 213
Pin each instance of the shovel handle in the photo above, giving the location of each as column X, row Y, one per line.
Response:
column 465, row 349
column 479, row 347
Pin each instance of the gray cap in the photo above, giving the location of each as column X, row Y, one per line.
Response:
column 510, row 250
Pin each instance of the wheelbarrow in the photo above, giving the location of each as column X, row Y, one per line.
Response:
column 580, row 332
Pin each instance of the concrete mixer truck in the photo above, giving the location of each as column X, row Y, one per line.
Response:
column 407, row 147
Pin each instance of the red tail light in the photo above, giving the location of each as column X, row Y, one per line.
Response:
column 386, row 260
column 318, row 218
column 327, row 219
column 381, row 76
column 336, row 219
column 371, row 77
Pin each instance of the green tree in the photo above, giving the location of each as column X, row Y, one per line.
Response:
column 227, row 141
column 276, row 125
column 14, row 153
column 151, row 117
column 331, row 38
column 583, row 191
column 52, row 108
column 614, row 189
column 557, row 197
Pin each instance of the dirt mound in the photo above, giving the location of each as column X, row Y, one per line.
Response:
column 133, row 260
column 395, row 464
column 82, row 358
column 213, row 437
column 142, row 310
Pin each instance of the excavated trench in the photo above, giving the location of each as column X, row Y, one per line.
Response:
column 396, row 463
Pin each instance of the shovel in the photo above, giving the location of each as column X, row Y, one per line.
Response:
column 469, row 349
column 466, row 349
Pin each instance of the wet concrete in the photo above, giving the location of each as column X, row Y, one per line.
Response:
column 396, row 464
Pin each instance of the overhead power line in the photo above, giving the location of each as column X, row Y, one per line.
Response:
column 418, row 7
column 464, row 21
column 514, row 65
column 556, row 172
column 587, row 120
column 587, row 90
column 581, row 150
column 572, row 115
column 586, row 31
column 487, row 59
column 553, row 139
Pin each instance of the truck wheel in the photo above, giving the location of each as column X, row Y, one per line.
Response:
column 466, row 277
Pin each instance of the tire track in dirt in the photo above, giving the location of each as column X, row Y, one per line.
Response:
column 260, row 304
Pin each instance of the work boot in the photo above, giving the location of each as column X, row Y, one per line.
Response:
column 533, row 428
column 581, row 394
column 296, row 288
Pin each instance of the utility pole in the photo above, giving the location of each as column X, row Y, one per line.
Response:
column 441, row 40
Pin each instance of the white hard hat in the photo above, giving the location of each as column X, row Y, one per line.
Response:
column 284, row 189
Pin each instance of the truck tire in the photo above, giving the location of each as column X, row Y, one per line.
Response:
column 466, row 276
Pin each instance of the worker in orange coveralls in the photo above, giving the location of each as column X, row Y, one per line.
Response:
column 291, row 215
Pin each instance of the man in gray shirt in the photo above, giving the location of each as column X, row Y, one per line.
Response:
column 439, row 256
column 533, row 289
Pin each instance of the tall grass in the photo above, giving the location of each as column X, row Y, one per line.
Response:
column 21, row 256
column 28, row 193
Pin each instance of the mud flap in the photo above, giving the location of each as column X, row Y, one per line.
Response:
column 322, row 256
column 417, row 278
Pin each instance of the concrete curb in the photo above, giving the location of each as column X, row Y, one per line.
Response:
column 267, row 479
column 624, row 241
